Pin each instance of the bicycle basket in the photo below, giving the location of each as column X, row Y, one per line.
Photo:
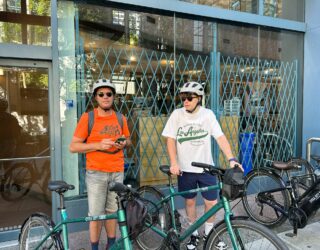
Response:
column 136, row 213
column 233, row 183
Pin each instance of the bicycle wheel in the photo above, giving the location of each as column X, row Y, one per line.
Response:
column 265, row 198
column 17, row 181
column 249, row 235
column 158, row 216
column 34, row 229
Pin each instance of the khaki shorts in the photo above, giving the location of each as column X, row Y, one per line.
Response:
column 100, row 199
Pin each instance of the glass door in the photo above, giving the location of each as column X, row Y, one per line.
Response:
column 24, row 142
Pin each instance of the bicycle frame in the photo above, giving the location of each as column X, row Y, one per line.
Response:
column 223, row 203
column 119, row 215
column 291, row 189
column 263, row 199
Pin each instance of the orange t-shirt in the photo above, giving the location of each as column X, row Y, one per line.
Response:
column 103, row 127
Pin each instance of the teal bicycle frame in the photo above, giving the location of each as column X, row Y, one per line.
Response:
column 223, row 203
column 119, row 215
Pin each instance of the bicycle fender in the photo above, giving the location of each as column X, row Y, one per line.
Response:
column 270, row 171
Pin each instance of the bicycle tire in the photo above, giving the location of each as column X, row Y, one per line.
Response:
column 262, row 180
column 17, row 182
column 249, row 235
column 158, row 216
column 34, row 229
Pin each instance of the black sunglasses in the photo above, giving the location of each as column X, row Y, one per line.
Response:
column 108, row 94
column 189, row 98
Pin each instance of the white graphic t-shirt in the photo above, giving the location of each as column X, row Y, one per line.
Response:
column 192, row 133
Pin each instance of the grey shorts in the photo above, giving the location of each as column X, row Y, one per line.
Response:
column 100, row 199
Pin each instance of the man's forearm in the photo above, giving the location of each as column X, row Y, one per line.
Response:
column 172, row 151
column 82, row 147
column 225, row 147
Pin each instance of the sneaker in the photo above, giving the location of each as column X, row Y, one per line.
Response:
column 204, row 237
column 193, row 242
column 220, row 245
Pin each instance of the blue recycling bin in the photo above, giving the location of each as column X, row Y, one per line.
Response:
column 246, row 151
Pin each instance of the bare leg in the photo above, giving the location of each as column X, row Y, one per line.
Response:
column 95, row 230
column 191, row 209
column 110, row 226
column 207, row 205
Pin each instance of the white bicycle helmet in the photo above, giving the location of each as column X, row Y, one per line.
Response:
column 192, row 87
column 103, row 83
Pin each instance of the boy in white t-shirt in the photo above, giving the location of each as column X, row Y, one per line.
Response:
column 188, row 132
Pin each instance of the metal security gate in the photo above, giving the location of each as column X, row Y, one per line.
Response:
column 258, row 99
column 248, row 96
column 147, row 85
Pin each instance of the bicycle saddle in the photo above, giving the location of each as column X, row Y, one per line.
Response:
column 284, row 165
column 59, row 186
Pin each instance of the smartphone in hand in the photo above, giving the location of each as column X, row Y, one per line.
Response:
column 120, row 139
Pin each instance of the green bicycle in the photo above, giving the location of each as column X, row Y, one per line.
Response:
column 235, row 232
column 39, row 231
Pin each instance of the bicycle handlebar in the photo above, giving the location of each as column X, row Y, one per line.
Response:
column 209, row 168
column 121, row 188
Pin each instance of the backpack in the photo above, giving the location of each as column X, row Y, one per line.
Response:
column 91, row 122
column 136, row 213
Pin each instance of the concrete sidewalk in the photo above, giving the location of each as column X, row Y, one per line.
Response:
column 307, row 237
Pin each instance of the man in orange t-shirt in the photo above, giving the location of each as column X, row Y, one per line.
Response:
column 104, row 158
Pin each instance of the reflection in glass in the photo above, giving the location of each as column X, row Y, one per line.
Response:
column 280, row 45
column 25, row 22
column 24, row 144
column 238, row 40
column 39, row 7
column 286, row 9
column 250, row 6
column 10, row 33
column 39, row 35
column 10, row 6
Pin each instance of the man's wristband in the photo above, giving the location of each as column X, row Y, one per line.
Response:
column 233, row 159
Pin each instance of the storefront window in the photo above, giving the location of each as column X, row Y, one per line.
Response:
column 25, row 22
column 258, row 88
column 149, row 56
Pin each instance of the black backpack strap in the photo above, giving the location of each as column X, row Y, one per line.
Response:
column 120, row 119
column 90, row 121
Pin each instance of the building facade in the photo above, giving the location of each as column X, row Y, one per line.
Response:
column 256, row 59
